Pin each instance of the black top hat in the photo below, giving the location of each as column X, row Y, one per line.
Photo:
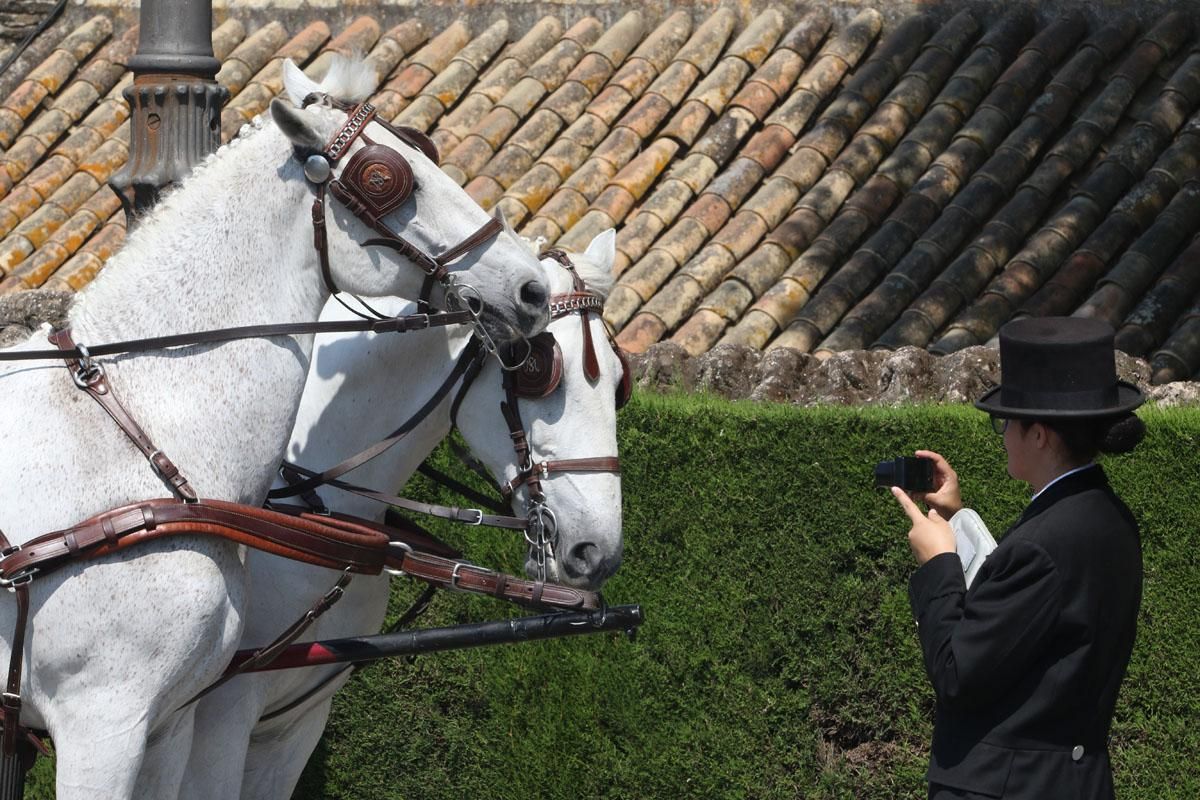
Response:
column 1058, row 367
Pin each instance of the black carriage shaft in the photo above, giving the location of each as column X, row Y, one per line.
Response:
column 456, row 637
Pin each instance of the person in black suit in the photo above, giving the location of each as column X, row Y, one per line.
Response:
column 1026, row 664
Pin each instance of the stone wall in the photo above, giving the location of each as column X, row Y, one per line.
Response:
column 858, row 377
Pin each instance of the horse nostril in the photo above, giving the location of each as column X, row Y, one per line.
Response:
column 534, row 293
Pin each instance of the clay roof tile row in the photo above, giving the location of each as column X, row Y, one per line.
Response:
column 775, row 182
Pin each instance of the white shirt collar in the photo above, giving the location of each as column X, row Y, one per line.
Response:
column 1088, row 465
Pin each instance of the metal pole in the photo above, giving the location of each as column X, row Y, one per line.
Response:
column 456, row 637
column 175, row 101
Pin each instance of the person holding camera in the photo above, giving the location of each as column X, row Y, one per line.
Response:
column 1026, row 663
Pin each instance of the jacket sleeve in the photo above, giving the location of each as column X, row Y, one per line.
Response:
column 977, row 644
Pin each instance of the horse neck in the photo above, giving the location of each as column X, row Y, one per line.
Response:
column 231, row 247
column 359, row 391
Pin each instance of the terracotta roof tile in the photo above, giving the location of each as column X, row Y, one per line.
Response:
column 836, row 58
column 635, row 177
column 970, row 271
column 83, row 266
column 48, row 77
column 1179, row 356
column 515, row 61
column 1134, row 272
column 623, row 141
column 413, row 75
column 740, row 212
column 1066, row 229
column 566, row 103
column 764, row 211
column 250, row 56
column 394, row 45
column 444, row 90
column 543, row 77
column 778, row 194
column 1152, row 318
column 358, row 37
column 943, row 181
column 253, row 99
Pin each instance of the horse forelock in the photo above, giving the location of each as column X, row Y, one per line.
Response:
column 350, row 78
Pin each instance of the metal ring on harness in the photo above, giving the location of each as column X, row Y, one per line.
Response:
column 406, row 547
column 88, row 370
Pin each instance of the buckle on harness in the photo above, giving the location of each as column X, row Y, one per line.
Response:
column 10, row 702
column 455, row 577
column 21, row 579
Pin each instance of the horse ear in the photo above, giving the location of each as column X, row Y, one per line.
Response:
column 499, row 214
column 295, row 126
column 297, row 84
column 602, row 250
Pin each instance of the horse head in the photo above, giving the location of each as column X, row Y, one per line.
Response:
column 398, row 225
column 565, row 397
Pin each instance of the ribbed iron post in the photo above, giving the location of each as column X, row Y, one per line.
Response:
column 175, row 101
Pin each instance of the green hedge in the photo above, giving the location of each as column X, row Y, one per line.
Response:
column 778, row 658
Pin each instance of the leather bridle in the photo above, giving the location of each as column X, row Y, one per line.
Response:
column 539, row 525
column 375, row 182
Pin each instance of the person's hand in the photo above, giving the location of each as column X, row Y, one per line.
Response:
column 929, row 536
column 945, row 497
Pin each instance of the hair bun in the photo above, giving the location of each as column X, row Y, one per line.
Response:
column 1122, row 434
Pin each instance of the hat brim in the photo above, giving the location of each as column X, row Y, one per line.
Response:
column 1129, row 397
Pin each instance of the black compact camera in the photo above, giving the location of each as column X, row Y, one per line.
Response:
column 911, row 473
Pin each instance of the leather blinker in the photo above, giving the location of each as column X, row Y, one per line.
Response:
column 625, row 387
column 380, row 178
column 542, row 370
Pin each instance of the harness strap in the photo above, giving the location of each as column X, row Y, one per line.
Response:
column 325, row 542
column 460, row 575
column 591, row 365
column 544, row 468
column 91, row 379
column 474, row 352
column 412, row 322
column 10, row 700
column 265, row 655
column 442, row 479
column 467, row 516
column 418, row 607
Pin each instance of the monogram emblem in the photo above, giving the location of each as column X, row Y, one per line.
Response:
column 533, row 365
column 377, row 178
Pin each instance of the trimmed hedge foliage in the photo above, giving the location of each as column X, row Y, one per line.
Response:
column 778, row 658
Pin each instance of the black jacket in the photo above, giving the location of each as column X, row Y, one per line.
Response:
column 1026, row 665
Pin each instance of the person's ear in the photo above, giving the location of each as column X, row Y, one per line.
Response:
column 1044, row 436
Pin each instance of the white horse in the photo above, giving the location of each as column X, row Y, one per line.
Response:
column 115, row 645
column 234, row 755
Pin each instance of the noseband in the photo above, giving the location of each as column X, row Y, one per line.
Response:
column 375, row 182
